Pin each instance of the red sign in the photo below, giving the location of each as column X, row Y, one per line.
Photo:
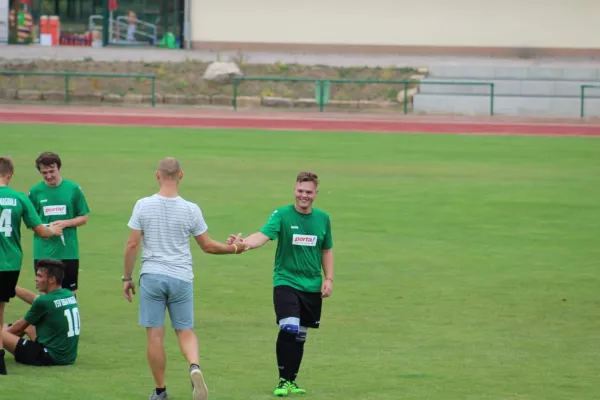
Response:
column 112, row 5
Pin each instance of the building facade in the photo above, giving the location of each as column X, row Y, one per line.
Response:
column 476, row 27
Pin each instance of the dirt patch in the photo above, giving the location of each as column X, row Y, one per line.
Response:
column 183, row 80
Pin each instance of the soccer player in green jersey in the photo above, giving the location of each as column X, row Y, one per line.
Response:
column 304, row 248
column 52, row 323
column 14, row 208
column 62, row 201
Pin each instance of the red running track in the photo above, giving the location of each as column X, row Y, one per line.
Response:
column 349, row 123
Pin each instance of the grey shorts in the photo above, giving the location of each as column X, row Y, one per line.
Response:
column 161, row 292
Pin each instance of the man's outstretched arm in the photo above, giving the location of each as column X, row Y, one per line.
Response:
column 26, row 295
column 253, row 241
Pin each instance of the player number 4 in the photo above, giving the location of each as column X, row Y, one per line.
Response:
column 6, row 223
column 74, row 321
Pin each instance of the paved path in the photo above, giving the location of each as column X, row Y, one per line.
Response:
column 25, row 53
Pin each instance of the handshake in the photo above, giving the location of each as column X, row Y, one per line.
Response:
column 237, row 241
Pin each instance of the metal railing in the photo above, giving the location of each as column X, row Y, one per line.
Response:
column 92, row 23
column 119, row 35
column 320, row 85
column 123, row 23
column 582, row 98
column 68, row 75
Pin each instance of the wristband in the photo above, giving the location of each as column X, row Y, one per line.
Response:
column 235, row 248
column 123, row 279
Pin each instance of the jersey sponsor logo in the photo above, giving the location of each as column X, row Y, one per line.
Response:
column 294, row 227
column 55, row 210
column 8, row 201
column 304, row 240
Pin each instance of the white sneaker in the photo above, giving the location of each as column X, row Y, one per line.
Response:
column 199, row 389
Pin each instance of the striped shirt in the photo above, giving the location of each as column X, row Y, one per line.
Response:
column 166, row 225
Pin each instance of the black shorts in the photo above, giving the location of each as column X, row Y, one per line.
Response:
column 8, row 283
column 290, row 302
column 29, row 352
column 71, row 279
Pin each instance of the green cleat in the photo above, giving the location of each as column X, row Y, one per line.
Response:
column 282, row 388
column 293, row 388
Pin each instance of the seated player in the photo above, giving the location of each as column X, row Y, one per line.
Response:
column 52, row 323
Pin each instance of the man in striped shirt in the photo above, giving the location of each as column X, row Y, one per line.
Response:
column 163, row 224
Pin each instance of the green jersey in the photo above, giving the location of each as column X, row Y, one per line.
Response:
column 14, row 207
column 301, row 240
column 56, row 203
column 56, row 319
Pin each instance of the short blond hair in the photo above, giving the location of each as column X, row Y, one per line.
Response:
column 169, row 168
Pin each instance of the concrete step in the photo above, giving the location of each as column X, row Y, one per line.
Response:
column 518, row 72
column 541, row 88
column 504, row 105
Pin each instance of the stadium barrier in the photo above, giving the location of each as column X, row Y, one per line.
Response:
column 322, row 87
column 69, row 75
column 582, row 96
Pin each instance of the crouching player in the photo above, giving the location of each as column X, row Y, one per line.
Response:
column 52, row 323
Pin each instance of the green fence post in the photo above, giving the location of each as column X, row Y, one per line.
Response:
column 321, row 95
column 235, row 93
column 105, row 23
column 405, row 98
column 491, row 99
column 154, row 91
column 67, row 77
column 581, row 107
column 322, row 91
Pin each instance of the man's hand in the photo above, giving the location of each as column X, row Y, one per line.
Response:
column 231, row 238
column 326, row 288
column 62, row 224
column 128, row 290
column 56, row 228
column 238, row 241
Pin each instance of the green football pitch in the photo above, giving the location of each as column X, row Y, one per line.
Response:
column 467, row 267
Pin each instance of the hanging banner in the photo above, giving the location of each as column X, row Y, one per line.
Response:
column 4, row 21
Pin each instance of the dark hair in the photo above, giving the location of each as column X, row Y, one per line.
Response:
column 307, row 176
column 53, row 268
column 46, row 159
column 7, row 166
